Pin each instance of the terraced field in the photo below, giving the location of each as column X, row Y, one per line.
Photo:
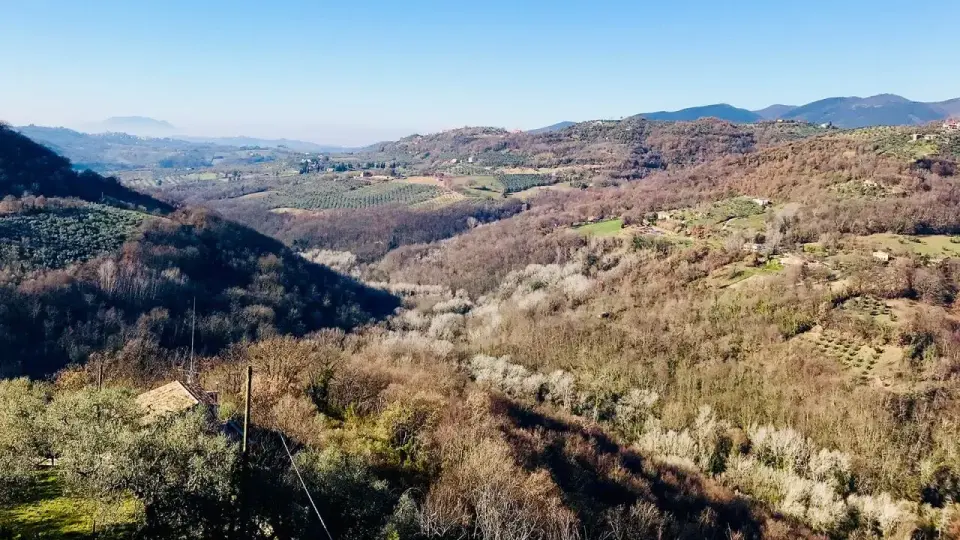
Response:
column 512, row 183
column 346, row 195
column 445, row 198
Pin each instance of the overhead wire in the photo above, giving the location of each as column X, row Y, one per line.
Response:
column 304, row 484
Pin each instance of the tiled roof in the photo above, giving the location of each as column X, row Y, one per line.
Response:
column 171, row 398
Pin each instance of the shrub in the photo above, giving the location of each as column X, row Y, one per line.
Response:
column 21, row 433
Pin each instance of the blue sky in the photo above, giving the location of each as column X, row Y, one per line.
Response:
column 354, row 72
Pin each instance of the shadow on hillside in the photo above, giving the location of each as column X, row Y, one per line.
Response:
column 599, row 476
column 29, row 167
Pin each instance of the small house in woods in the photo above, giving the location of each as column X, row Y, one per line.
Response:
column 952, row 124
column 179, row 397
column 882, row 256
column 175, row 398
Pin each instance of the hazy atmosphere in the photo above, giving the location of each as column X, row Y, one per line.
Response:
column 358, row 72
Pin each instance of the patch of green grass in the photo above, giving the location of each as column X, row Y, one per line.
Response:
column 740, row 208
column 935, row 245
column 479, row 186
column 481, row 182
column 773, row 265
column 610, row 227
column 43, row 510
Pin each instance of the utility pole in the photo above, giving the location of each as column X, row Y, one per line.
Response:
column 246, row 410
column 243, row 496
column 99, row 375
column 193, row 331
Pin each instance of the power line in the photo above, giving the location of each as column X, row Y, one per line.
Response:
column 191, row 373
column 304, row 484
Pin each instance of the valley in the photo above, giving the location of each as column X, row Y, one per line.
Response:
column 614, row 329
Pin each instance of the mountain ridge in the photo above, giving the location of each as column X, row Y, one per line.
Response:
column 841, row 111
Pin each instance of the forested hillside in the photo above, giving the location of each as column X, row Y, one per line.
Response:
column 90, row 266
column 29, row 168
column 436, row 186
column 756, row 338
column 632, row 147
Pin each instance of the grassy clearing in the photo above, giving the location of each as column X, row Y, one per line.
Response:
column 257, row 195
column 45, row 511
column 481, row 183
column 610, row 227
column 425, row 180
column 201, row 176
column 931, row 246
column 724, row 211
column 479, row 186
column 534, row 191
column 737, row 274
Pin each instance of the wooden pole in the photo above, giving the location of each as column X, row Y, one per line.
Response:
column 193, row 331
column 246, row 409
column 242, row 523
column 99, row 375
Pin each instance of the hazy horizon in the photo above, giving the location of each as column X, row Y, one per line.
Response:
column 356, row 74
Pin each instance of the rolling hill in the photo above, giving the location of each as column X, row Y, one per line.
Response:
column 636, row 377
column 553, row 127
column 720, row 110
column 110, row 152
column 80, row 246
column 632, row 147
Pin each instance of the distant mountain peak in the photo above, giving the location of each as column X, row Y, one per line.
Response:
column 723, row 111
column 138, row 120
column 142, row 126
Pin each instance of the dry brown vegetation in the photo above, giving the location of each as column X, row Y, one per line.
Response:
column 809, row 173
column 662, row 383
